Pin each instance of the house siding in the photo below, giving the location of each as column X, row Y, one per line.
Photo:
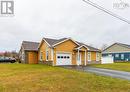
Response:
column 116, row 48
column 68, row 47
column 32, row 57
column 93, row 56
column 43, row 48
column 126, row 56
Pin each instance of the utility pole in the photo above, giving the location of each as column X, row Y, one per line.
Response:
column 106, row 11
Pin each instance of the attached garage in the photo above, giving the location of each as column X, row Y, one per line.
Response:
column 107, row 60
column 63, row 59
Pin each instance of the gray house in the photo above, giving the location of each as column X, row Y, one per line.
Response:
column 119, row 51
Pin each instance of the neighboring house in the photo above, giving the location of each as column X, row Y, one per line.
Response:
column 119, row 51
column 29, row 52
column 67, row 51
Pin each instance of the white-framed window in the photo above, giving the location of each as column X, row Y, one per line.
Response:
column 41, row 56
column 122, row 56
column 89, row 56
column 97, row 56
column 47, row 55
column 116, row 55
column 110, row 55
column 23, row 56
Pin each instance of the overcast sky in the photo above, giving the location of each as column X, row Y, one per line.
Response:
column 35, row 19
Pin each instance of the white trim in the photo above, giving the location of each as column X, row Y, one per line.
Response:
column 40, row 44
column 97, row 56
column 62, row 52
column 83, row 46
column 64, row 41
column 23, row 56
column 85, row 57
column 79, row 58
column 41, row 55
column 46, row 42
column 47, row 53
column 115, row 52
column 89, row 57
column 52, row 54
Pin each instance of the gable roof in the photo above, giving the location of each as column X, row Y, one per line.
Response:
column 54, row 42
column 30, row 46
column 90, row 48
column 124, row 45
column 65, row 39
column 120, row 44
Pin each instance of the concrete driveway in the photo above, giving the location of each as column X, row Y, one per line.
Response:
column 104, row 72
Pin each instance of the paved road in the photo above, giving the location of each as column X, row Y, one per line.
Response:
column 104, row 72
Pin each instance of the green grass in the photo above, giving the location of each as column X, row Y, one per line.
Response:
column 115, row 66
column 41, row 78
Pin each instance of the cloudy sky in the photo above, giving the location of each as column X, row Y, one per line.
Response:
column 35, row 19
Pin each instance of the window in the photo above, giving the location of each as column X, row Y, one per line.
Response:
column 58, row 57
column 116, row 55
column 47, row 55
column 68, row 57
column 41, row 56
column 61, row 56
column 110, row 55
column 122, row 56
column 89, row 56
column 97, row 56
column 23, row 56
column 65, row 57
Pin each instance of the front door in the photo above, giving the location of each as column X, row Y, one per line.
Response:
column 79, row 59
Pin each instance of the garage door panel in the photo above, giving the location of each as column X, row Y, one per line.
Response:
column 63, row 59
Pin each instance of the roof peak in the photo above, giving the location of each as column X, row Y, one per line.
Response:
column 29, row 42
column 30, row 46
column 53, row 42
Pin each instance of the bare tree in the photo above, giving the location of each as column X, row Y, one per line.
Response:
column 104, row 46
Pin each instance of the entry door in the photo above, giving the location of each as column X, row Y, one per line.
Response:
column 79, row 61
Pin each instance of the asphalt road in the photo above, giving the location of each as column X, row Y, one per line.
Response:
column 104, row 72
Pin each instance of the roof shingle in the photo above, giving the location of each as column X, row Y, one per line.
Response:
column 52, row 42
column 30, row 46
column 124, row 45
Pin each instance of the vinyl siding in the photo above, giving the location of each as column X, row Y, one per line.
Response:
column 116, row 48
column 126, row 56
column 93, row 56
column 43, row 48
column 32, row 57
column 67, row 46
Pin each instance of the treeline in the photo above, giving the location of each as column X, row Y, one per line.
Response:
column 12, row 54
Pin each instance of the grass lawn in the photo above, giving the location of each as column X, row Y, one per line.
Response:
column 42, row 78
column 115, row 66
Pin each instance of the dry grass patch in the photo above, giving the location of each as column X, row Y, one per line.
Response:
column 41, row 78
column 115, row 66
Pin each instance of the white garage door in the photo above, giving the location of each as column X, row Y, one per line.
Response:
column 107, row 60
column 63, row 59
